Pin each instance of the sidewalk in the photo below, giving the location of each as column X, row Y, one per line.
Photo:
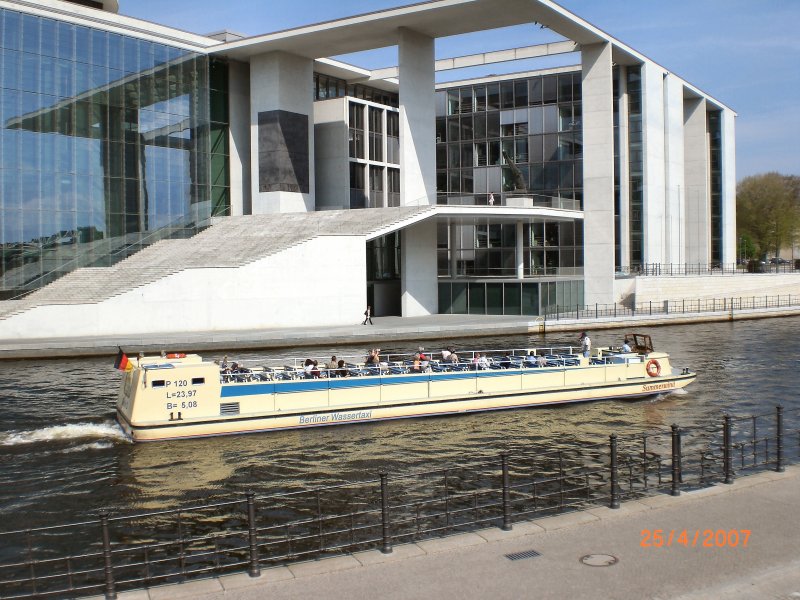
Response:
column 474, row 565
column 385, row 329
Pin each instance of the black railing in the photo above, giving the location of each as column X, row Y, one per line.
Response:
column 112, row 553
column 717, row 268
column 669, row 307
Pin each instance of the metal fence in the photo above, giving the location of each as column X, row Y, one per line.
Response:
column 113, row 553
column 669, row 307
column 718, row 268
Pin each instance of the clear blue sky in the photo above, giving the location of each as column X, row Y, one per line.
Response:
column 745, row 53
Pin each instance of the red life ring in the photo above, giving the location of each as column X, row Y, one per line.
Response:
column 653, row 368
column 176, row 355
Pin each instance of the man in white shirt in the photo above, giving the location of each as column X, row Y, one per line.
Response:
column 586, row 344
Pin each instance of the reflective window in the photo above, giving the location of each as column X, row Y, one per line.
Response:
column 105, row 145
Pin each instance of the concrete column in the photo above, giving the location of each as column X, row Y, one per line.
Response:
column 728, row 186
column 598, row 173
column 282, row 133
column 654, row 203
column 418, row 283
column 624, row 240
column 417, row 119
column 453, row 245
column 239, row 137
column 696, row 196
column 520, row 251
column 674, row 144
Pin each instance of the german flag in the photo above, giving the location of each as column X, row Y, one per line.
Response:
column 122, row 363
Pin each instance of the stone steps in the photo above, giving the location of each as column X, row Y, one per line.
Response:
column 231, row 243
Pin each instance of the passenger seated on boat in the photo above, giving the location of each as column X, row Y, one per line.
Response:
column 453, row 358
column 423, row 359
column 541, row 361
column 446, row 354
column 416, row 366
column 374, row 357
column 505, row 362
column 625, row 346
column 332, row 366
column 341, row 370
column 480, row 361
column 224, row 364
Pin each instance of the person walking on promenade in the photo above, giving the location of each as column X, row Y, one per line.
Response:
column 368, row 315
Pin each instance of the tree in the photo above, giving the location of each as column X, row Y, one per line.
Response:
column 768, row 211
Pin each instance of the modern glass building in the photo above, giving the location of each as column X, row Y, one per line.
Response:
column 514, row 194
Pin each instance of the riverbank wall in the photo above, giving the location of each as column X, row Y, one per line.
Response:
column 397, row 330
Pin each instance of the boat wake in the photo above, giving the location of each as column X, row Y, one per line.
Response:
column 108, row 430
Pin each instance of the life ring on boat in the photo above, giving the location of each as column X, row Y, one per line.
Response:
column 653, row 368
column 176, row 355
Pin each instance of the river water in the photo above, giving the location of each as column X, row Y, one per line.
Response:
column 63, row 458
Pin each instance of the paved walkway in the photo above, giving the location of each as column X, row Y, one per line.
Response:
column 413, row 329
column 474, row 565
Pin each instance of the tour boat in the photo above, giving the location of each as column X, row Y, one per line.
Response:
column 177, row 395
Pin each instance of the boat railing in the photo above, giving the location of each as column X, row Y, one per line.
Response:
column 403, row 363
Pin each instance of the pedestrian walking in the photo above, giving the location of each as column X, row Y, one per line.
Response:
column 368, row 315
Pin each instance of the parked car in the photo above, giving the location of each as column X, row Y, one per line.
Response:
column 777, row 260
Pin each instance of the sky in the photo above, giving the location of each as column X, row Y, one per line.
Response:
column 744, row 53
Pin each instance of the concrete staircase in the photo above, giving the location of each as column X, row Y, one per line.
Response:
column 232, row 242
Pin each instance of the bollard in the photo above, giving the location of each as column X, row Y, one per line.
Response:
column 727, row 455
column 254, row 569
column 779, row 467
column 387, row 540
column 676, row 460
column 111, row 591
column 506, row 495
column 614, row 483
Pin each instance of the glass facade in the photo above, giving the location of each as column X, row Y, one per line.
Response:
column 511, row 138
column 715, row 169
column 374, row 151
column 497, row 143
column 104, row 147
column 635, row 166
column 327, row 87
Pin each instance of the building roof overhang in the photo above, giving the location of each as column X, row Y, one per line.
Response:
column 436, row 18
column 479, row 215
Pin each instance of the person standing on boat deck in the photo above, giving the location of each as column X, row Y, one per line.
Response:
column 368, row 315
column 586, row 344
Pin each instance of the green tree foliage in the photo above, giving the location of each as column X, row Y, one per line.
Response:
column 768, row 211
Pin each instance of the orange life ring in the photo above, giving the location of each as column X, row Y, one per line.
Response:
column 176, row 355
column 653, row 368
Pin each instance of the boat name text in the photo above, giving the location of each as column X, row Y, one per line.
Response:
column 335, row 417
column 658, row 386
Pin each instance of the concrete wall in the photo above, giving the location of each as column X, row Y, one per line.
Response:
column 696, row 207
column 728, row 187
column 674, row 233
column 239, row 137
column 417, row 119
column 598, row 173
column 284, row 290
column 418, row 270
column 733, row 286
column 281, row 82
column 654, row 205
column 331, row 154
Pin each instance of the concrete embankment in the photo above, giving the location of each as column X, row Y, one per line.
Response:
column 627, row 559
column 385, row 330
